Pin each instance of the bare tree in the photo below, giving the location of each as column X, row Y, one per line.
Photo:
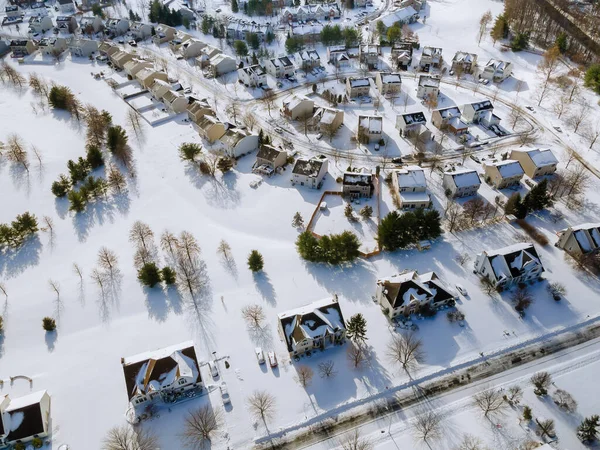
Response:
column 169, row 243
column 522, row 299
column 100, row 279
column 406, row 350
column 304, row 375
column 564, row 400
column 224, row 250
column 233, row 110
column 268, row 100
column 249, row 120
column 516, row 114
column 55, row 286
column 427, row 426
column 107, row 260
column 48, row 226
column 141, row 234
column 490, row 401
column 78, row 271
column 354, row 441
column 514, row 395
column 556, row 290
column 579, row 116
column 262, row 405
column 541, row 381
column 546, row 68
column 134, row 122
column 126, row 438
column 38, row 156
column 470, row 442
column 199, row 426
column 327, row 369
column 254, row 315
column 356, row 355
column 462, row 259
column 453, row 214
column 3, row 290
column 546, row 427
column 188, row 246
column 592, row 133
column 116, row 180
column 577, row 181
column 15, row 151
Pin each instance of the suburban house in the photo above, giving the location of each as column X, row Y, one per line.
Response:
column 178, row 39
column 357, row 87
column 253, row 76
column 91, row 24
column 83, row 47
column 24, row 418
column 370, row 129
column 162, row 374
column 316, row 326
column 281, row 67
column 307, row 59
column 164, row 33
column 22, row 47
column 388, row 83
column 357, row 184
column 401, row 15
column 135, row 65
column 206, row 55
column 503, row 174
column 66, row 24
column 431, row 58
column 220, row 65
column 120, row 58
column 535, row 162
column 408, row 292
column 40, row 24
column 53, row 46
column 198, row 109
column 37, row 8
column 310, row 12
column 117, row 27
column 65, row 6
column 517, row 263
column 107, row 49
column 580, row 239
column 410, row 124
column 147, row 77
column 449, row 119
column 466, row 61
column 159, row 88
column 210, row 128
column 175, row 101
column 269, row 159
column 238, row 142
column 338, row 56
column 327, row 120
column 140, row 30
column 429, row 87
column 461, row 183
column 191, row 48
column 310, row 172
column 369, row 54
column 411, row 186
column 480, row 112
column 496, row 70
column 401, row 54
column 297, row 107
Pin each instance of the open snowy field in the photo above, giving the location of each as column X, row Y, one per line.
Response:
column 81, row 368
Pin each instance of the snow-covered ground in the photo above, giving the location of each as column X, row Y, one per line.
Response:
column 80, row 367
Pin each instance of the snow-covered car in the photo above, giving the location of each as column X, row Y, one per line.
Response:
column 485, row 81
column 132, row 43
column 278, row 130
column 461, row 289
column 319, row 136
column 224, row 393
column 260, row 356
column 272, row 359
column 214, row 371
column 530, row 108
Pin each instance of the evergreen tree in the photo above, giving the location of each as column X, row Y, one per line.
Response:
column 116, row 138
column 592, row 78
column 253, row 40
column 539, row 197
column 254, row 58
column 587, row 432
column 94, row 156
column 153, row 31
column 97, row 10
column 349, row 213
column 520, row 42
column 500, row 29
column 356, row 328
column 561, row 42
column 297, row 221
column 61, row 186
column 131, row 15
column 522, row 207
column 527, row 413
column 189, row 151
column 234, row 6
column 261, row 137
column 149, row 274
column 225, row 164
column 168, row 275
column 49, row 324
column 511, row 203
column 25, row 224
column 77, row 201
column 255, row 261
column 241, row 49
column 308, row 246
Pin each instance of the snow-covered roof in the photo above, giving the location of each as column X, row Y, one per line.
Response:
column 514, row 260
column 414, row 197
column 464, row 178
column 412, row 176
column 429, row 81
column 309, row 55
column 464, row 57
column 359, row 82
column 448, row 113
column 390, row 78
column 233, row 136
column 540, row 158
column 482, row 106
column 373, row 124
column 24, row 417
column 328, row 115
column 507, row 168
column 269, row 153
column 587, row 236
column 407, row 287
column 432, row 52
column 400, row 15
column 414, row 118
column 496, row 65
column 309, row 167
column 294, row 101
column 358, row 178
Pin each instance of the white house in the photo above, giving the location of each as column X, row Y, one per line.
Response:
column 53, row 46
column 370, row 129
column 237, row 142
column 307, row 59
column 281, row 67
column 388, row 83
column 82, row 47
column 467, row 62
column 297, row 107
column 410, row 124
column 407, row 293
column 117, row 27
column 411, row 186
column 24, row 418
column 91, row 24
column 449, row 119
column 480, row 113
column 402, row 15
column 535, row 162
column 496, row 70
column 253, row 76
column 327, row 119
column 163, row 374
column 66, row 24
column 580, row 239
column 461, row 183
column 431, row 58
column 503, row 174
column 140, row 30
column 191, row 48
column 40, row 24
column 310, row 172
column 313, row 327
column 517, row 263
column 357, row 87
column 221, row 64
column 429, row 87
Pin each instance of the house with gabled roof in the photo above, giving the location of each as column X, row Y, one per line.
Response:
column 161, row 375
column 82, row 47
column 401, row 54
column 66, row 24
column 117, row 27
column 147, row 77
column 466, row 61
column 40, row 24
column 108, row 49
column 310, row 172
column 327, row 120
column 449, row 119
column 401, row 15
column 269, row 159
column 159, row 88
column 535, row 162
column 140, row 30
column 175, row 101
column 388, row 83
column 221, row 64
column 91, row 24
column 135, row 65
column 357, row 87
column 253, row 76
column 496, row 70
column 428, row 87
column 503, row 174
column 431, row 58
column 120, row 58
column 24, row 418
column 313, row 327
column 197, row 109
column 370, row 129
column 297, row 107
column 480, row 112
column 411, row 186
column 369, row 54
column 237, row 142
column 358, row 184
column 580, row 239
column 164, row 33
column 307, row 59
column 461, row 183
column 409, row 124
column 53, row 46
column 408, row 292
column 178, row 39
column 211, row 128
column 281, row 67
column 23, row 47
column 191, row 48
column 338, row 56
column 517, row 263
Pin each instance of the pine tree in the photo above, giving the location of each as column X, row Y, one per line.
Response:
column 588, row 430
column 225, row 164
column 234, row 6
column 94, row 156
column 255, row 261
column 61, row 186
column 168, row 275
column 522, row 207
column 527, row 413
column 49, row 324
column 366, row 212
column 149, row 274
column 539, row 197
column 356, row 328
column 261, row 137
column 298, row 221
column 349, row 212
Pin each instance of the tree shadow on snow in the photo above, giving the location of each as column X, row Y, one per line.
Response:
column 156, row 303
column 355, row 282
column 51, row 338
column 265, row 288
column 16, row 260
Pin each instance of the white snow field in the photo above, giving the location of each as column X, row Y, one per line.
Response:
column 80, row 366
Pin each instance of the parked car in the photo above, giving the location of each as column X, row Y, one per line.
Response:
column 224, row 393
column 132, row 43
column 278, row 130
column 272, row 359
column 461, row 289
column 214, row 371
column 319, row 136
column 260, row 356
column 397, row 160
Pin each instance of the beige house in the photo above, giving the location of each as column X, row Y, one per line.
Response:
column 147, row 77
column 580, row 239
column 327, row 120
column 164, row 33
column 461, row 183
column 22, row 47
column 107, row 49
column 210, row 128
column 191, row 48
column 175, row 101
column 449, row 119
column 198, row 109
column 357, row 87
column 411, row 186
column 297, row 107
column 428, row 87
column 466, row 62
column 53, row 46
column 535, row 162
column 370, row 129
column 269, row 159
column 388, row 83
column 119, row 59
column 132, row 67
column 503, row 174
column 313, row 327
column 220, row 64
column 159, row 88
